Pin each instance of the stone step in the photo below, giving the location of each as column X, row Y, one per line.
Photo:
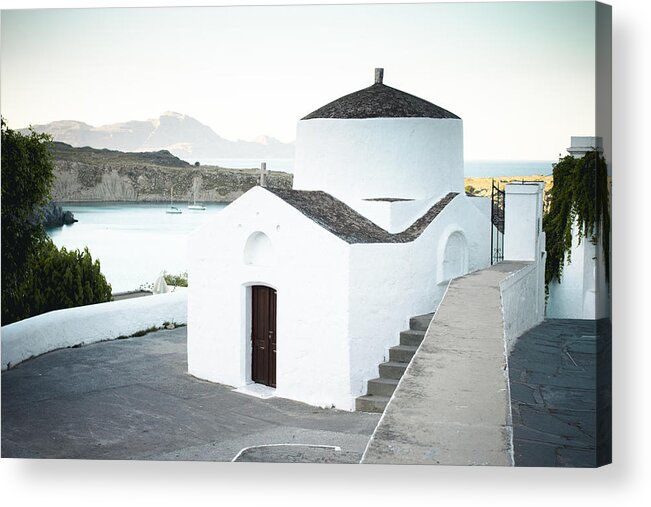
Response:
column 393, row 369
column 382, row 386
column 411, row 337
column 402, row 353
column 420, row 322
column 371, row 403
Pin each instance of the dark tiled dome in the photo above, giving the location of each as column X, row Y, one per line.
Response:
column 380, row 101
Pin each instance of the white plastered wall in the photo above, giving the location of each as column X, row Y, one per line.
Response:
column 394, row 216
column 389, row 283
column 523, row 221
column 582, row 292
column 308, row 267
column 354, row 159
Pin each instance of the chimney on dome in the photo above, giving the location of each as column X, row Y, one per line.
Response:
column 379, row 75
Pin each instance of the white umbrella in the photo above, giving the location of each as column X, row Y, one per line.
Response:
column 160, row 286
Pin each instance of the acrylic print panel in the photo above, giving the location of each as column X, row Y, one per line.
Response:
column 390, row 246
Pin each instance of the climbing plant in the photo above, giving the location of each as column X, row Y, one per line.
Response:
column 579, row 196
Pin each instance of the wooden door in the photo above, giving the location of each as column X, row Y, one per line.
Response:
column 263, row 335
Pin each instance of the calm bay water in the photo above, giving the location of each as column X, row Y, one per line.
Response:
column 134, row 242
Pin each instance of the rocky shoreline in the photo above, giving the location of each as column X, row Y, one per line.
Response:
column 53, row 215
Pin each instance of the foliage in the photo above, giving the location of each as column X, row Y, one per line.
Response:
column 36, row 276
column 470, row 190
column 27, row 175
column 579, row 195
column 61, row 279
column 176, row 280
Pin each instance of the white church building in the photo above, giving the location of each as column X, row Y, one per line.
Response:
column 305, row 290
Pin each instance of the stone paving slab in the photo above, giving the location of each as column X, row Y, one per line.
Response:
column 132, row 399
column 559, row 374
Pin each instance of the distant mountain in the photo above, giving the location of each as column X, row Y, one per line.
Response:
column 179, row 134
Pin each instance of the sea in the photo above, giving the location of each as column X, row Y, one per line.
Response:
column 135, row 242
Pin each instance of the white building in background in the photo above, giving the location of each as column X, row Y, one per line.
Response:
column 305, row 290
column 583, row 292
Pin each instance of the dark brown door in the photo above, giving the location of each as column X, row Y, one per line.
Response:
column 263, row 335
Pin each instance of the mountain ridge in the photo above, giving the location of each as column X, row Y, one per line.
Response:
column 180, row 134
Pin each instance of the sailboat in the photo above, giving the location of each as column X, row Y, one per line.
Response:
column 172, row 210
column 195, row 206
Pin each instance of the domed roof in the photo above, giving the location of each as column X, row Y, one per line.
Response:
column 380, row 101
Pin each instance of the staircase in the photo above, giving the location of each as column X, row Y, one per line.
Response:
column 380, row 389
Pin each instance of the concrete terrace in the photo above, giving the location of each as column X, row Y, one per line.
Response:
column 132, row 399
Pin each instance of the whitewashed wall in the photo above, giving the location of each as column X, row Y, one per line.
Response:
column 308, row 267
column 354, row 159
column 523, row 296
column 89, row 324
column 523, row 221
column 394, row 216
column 523, row 292
column 582, row 292
column 391, row 283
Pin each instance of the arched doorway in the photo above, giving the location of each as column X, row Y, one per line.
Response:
column 263, row 335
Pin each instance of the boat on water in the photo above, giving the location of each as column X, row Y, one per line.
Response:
column 194, row 206
column 172, row 210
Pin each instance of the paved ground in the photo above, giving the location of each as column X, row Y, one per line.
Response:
column 553, row 371
column 131, row 399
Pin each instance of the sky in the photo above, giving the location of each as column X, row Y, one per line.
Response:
column 521, row 75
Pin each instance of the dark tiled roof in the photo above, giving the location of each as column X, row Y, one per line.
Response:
column 347, row 224
column 380, row 101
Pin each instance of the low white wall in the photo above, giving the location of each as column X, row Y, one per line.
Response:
column 523, row 297
column 89, row 324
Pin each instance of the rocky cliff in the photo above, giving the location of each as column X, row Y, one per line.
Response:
column 87, row 174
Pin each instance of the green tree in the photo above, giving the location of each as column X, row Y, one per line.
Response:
column 36, row 276
column 27, row 175
column 63, row 279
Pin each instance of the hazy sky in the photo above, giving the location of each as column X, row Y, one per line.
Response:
column 520, row 75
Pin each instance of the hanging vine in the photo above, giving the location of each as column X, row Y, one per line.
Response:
column 579, row 195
